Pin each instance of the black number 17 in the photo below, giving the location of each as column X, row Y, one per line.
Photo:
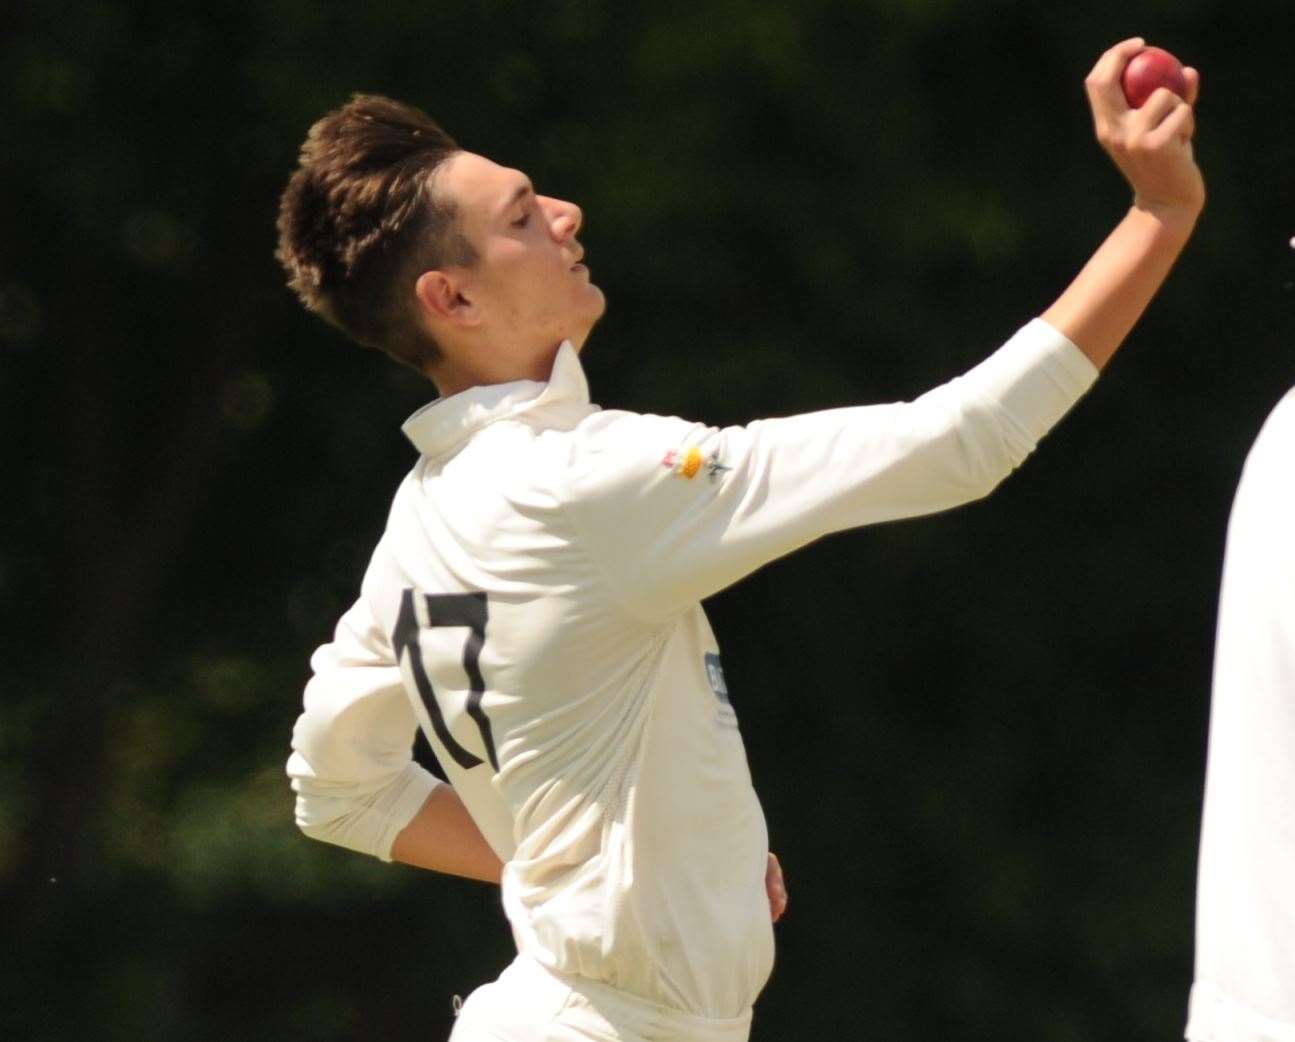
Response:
column 448, row 609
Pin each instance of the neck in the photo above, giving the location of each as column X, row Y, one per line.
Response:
column 483, row 368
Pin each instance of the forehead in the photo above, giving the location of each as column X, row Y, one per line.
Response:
column 478, row 185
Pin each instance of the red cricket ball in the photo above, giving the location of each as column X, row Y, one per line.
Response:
column 1148, row 69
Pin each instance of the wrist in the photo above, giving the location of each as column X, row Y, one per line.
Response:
column 1177, row 218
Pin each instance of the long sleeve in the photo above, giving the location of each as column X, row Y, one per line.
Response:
column 674, row 511
column 357, row 784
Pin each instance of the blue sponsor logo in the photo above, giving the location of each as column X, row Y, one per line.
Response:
column 715, row 674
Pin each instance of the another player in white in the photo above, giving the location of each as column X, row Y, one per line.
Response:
column 534, row 602
column 1244, row 989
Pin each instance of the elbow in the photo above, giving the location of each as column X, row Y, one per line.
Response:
column 984, row 481
column 955, row 456
column 989, row 456
column 321, row 831
column 341, row 823
column 320, row 810
column 363, row 817
column 317, row 818
column 310, row 831
column 311, row 819
column 976, row 475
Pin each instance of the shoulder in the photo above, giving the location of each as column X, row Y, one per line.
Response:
column 617, row 428
column 612, row 448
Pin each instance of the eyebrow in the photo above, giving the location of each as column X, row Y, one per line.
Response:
column 519, row 193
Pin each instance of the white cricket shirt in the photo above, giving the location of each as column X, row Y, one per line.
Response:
column 534, row 607
column 1245, row 913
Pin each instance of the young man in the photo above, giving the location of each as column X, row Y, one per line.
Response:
column 1245, row 916
column 534, row 602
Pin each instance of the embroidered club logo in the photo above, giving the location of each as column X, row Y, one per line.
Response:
column 686, row 464
column 691, row 462
column 714, row 468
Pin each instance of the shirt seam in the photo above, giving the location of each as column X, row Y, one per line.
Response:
column 615, row 594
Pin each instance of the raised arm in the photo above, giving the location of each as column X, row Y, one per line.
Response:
column 671, row 512
column 1152, row 147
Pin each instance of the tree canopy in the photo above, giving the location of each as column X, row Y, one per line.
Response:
column 978, row 737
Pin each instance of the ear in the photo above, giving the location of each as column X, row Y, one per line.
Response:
column 443, row 297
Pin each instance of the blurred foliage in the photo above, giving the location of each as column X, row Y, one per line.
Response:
column 790, row 206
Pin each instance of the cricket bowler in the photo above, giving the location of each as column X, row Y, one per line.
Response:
column 534, row 602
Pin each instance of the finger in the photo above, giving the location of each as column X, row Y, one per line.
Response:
column 1180, row 123
column 777, row 904
column 1113, row 60
column 1193, row 84
column 1103, row 84
column 1155, row 110
column 775, row 888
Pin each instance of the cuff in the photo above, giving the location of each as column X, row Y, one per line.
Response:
column 1035, row 378
column 416, row 786
column 370, row 823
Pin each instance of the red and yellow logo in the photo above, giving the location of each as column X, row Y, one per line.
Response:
column 686, row 464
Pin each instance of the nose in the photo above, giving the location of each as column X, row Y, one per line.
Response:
column 565, row 218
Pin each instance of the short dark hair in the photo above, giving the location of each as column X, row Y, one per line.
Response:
column 359, row 222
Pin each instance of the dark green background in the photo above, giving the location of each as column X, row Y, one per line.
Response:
column 979, row 737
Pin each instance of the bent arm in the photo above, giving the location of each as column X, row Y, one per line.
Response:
column 352, row 767
column 673, row 512
column 443, row 837
column 1152, row 148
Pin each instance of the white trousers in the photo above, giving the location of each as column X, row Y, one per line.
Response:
column 529, row 1003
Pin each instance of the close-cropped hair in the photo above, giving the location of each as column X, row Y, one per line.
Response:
column 359, row 222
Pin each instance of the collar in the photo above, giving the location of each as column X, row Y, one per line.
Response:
column 443, row 424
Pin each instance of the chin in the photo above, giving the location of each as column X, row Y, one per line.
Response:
column 580, row 334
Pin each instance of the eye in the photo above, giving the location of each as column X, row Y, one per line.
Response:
column 522, row 221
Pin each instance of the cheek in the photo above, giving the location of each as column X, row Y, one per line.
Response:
column 507, row 284
column 502, row 256
column 533, row 294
